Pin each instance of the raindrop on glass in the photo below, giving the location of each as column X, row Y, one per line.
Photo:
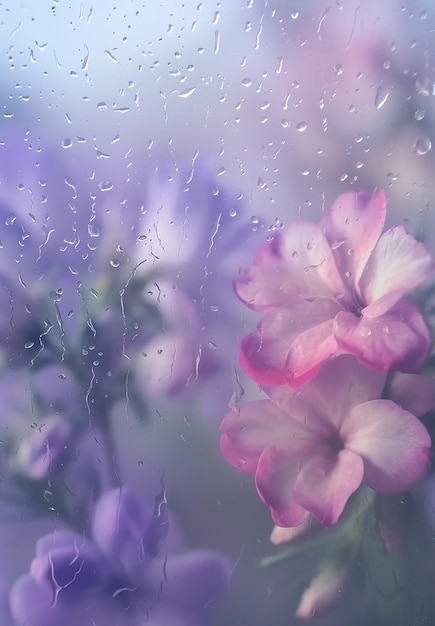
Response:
column 422, row 145
column 424, row 86
column 381, row 97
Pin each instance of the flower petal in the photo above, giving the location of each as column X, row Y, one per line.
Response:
column 399, row 339
column 32, row 603
column 326, row 482
column 283, row 535
column 397, row 265
column 352, row 227
column 290, row 344
column 277, row 471
column 255, row 425
column 341, row 384
column 392, row 443
column 126, row 530
column 298, row 262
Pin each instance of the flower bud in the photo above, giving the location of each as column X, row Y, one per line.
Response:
column 42, row 452
column 283, row 535
column 323, row 591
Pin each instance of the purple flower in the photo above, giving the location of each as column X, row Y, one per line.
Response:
column 118, row 576
column 332, row 289
column 311, row 448
column 194, row 233
column 45, row 450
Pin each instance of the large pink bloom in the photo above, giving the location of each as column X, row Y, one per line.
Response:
column 311, row 448
column 335, row 289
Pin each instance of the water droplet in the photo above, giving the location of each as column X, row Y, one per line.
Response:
column 278, row 65
column 382, row 95
column 111, row 57
column 254, row 219
column 419, row 114
column 301, row 126
column 423, row 15
column 359, row 164
column 29, row 344
column 186, row 92
column 285, row 123
column 422, row 145
column 105, row 185
column 424, row 86
column 93, row 231
column 217, row 39
column 294, row 15
column 114, row 262
column 338, row 69
column 66, row 143
column 246, row 82
column 294, row 255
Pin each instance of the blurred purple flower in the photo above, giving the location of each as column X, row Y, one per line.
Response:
column 118, row 576
column 195, row 231
column 45, row 450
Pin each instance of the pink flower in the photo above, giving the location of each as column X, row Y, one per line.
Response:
column 311, row 448
column 335, row 289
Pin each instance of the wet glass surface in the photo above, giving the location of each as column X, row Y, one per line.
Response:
column 217, row 312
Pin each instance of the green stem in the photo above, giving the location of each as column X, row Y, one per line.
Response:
column 348, row 534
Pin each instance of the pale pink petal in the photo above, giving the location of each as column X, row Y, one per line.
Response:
column 397, row 265
column 393, row 444
column 326, row 482
column 323, row 592
column 397, row 340
column 412, row 392
column 283, row 535
column 323, row 403
column 247, row 431
column 298, row 262
column 277, row 471
column 352, row 227
column 290, row 344
column 265, row 286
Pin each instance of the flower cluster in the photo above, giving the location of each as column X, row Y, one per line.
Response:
column 104, row 308
column 119, row 574
column 333, row 353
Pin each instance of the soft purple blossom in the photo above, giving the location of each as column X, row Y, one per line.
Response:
column 45, row 449
column 311, row 448
column 120, row 575
column 193, row 231
column 332, row 289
